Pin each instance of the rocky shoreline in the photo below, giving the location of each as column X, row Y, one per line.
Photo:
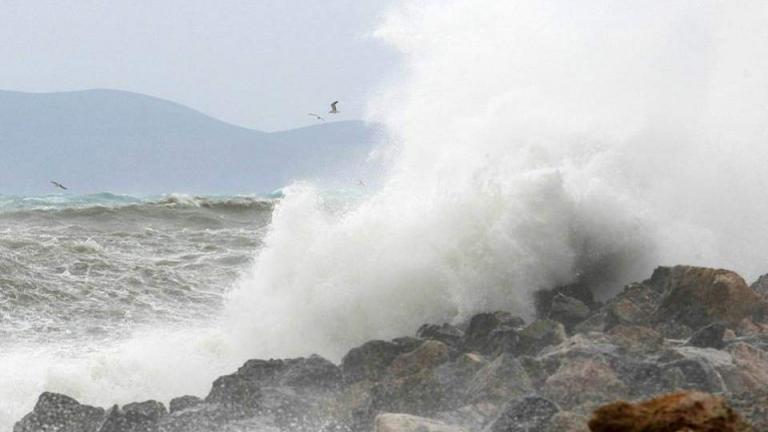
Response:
column 685, row 329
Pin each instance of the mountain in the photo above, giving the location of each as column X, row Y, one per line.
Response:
column 117, row 141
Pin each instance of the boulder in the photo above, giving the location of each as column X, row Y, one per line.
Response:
column 371, row 360
column 709, row 336
column 635, row 339
column 566, row 421
column 183, row 402
column 411, row 384
column 760, row 286
column 527, row 414
column 751, row 368
column 445, row 333
column 568, row 310
column 500, row 380
column 483, row 325
column 59, row 413
column 389, row 422
column 683, row 411
column 135, row 417
column 582, row 381
column 697, row 296
column 539, row 335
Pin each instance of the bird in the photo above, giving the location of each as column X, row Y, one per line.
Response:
column 361, row 183
column 316, row 116
column 58, row 185
column 333, row 108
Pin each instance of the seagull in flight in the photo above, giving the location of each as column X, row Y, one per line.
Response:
column 58, row 185
column 333, row 108
column 316, row 116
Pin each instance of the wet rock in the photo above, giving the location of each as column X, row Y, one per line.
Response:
column 411, row 384
column 482, row 326
column 471, row 417
column 566, row 421
column 697, row 296
column 753, row 407
column 635, row 305
column 60, row 413
column 750, row 374
column 528, row 414
column 578, row 291
column 568, row 310
column 696, row 373
column 636, row 339
column 428, row 355
column 760, row 286
column 539, row 335
column 445, row 333
column 409, row 423
column 710, row 336
column 690, row 411
column 135, row 417
column 183, row 402
column 371, row 360
column 500, row 380
column 584, row 381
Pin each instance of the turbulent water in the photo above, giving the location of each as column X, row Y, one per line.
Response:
column 82, row 278
column 535, row 144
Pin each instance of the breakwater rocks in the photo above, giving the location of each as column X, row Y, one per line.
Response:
column 685, row 329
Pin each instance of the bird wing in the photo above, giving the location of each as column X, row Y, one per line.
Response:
column 333, row 105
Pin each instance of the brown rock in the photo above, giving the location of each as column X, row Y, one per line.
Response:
column 697, row 296
column 636, row 339
column 676, row 412
column 583, row 381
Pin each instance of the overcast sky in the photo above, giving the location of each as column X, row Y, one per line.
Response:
column 259, row 63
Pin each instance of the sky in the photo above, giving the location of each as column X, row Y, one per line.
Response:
column 262, row 64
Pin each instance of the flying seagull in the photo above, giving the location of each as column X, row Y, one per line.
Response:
column 333, row 108
column 316, row 116
column 58, row 185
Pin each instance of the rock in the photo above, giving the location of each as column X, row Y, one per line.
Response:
column 578, row 291
column 528, row 414
column 636, row 339
column 444, row 333
column 481, row 326
column 754, row 408
column 59, row 413
column 751, row 368
column 409, row 423
column 710, row 336
column 471, row 417
column 428, row 355
column 566, row 421
column 313, row 374
column 583, row 381
column 539, row 335
column 500, row 380
column 568, row 310
column 683, row 411
column 411, row 384
column 371, row 360
column 697, row 296
column 760, row 286
column 695, row 373
column 183, row 402
column 635, row 305
column 135, row 417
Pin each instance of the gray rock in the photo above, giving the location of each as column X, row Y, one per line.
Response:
column 371, row 360
column 710, row 336
column 568, row 310
column 135, row 417
column 445, row 333
column 183, row 402
column 500, row 380
column 528, row 414
column 478, row 336
column 389, row 422
column 59, row 413
column 539, row 335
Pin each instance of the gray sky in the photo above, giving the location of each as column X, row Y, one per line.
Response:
column 261, row 63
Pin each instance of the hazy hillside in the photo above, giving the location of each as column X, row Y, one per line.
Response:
column 108, row 140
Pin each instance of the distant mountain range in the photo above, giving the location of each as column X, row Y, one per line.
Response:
column 117, row 141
